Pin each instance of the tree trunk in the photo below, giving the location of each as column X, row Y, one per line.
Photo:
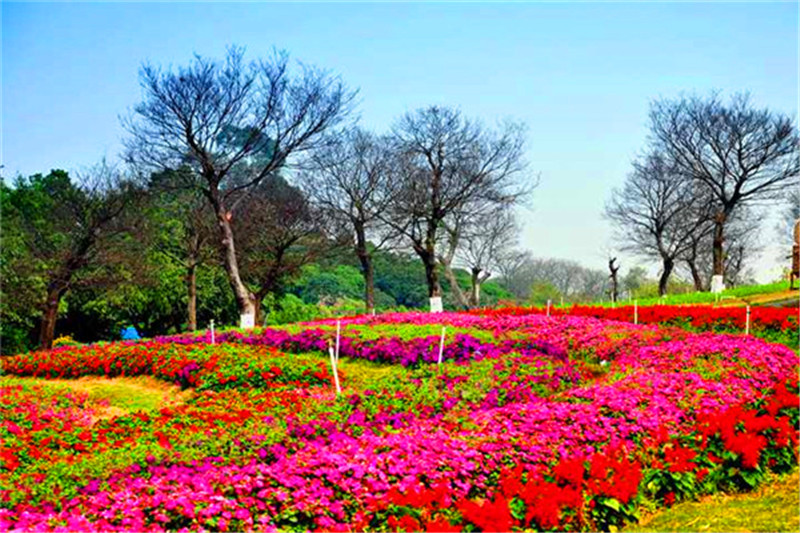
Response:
column 475, row 295
column 244, row 297
column 719, row 242
column 259, row 311
column 432, row 276
column 669, row 264
column 697, row 279
column 191, row 307
column 367, row 269
column 454, row 286
column 614, row 281
column 49, row 316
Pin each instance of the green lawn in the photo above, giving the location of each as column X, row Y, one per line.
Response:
column 773, row 507
column 742, row 293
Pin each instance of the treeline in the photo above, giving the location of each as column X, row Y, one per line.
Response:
column 241, row 174
column 147, row 264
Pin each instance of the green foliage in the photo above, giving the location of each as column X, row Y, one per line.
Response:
column 648, row 294
column 28, row 226
column 289, row 309
column 402, row 278
column 542, row 291
column 328, row 285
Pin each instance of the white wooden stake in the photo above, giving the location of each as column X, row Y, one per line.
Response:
column 635, row 312
column 747, row 322
column 548, row 307
column 338, row 335
column 212, row 332
column 335, row 370
column 441, row 347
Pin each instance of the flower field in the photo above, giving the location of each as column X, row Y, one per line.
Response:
column 531, row 422
column 771, row 323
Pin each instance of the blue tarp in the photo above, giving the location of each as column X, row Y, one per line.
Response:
column 129, row 334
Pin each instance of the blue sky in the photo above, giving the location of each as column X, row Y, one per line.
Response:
column 580, row 75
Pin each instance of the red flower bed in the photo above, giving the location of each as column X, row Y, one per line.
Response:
column 695, row 317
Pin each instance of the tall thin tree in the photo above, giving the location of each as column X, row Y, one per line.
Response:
column 350, row 179
column 656, row 213
column 740, row 154
column 446, row 162
column 233, row 124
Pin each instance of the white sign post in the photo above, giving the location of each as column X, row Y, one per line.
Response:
column 441, row 347
column 436, row 304
column 548, row 307
column 717, row 284
column 335, row 371
column 212, row 332
column 635, row 312
column 247, row 321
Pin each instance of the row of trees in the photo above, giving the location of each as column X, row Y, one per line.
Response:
column 696, row 195
column 259, row 167
column 156, row 265
column 228, row 128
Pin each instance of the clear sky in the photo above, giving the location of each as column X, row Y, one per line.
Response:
column 580, row 75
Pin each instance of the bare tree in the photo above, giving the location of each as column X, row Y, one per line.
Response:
column 791, row 212
column 447, row 162
column 281, row 233
column 592, row 285
column 350, row 180
column 739, row 154
column 657, row 213
column 233, row 124
column 742, row 236
column 485, row 242
column 514, row 267
column 453, row 227
column 521, row 274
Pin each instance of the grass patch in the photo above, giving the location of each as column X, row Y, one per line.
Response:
column 773, row 507
column 735, row 296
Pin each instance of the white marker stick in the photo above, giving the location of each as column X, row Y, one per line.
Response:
column 635, row 312
column 338, row 335
column 335, row 372
column 548, row 307
column 441, row 347
column 212, row 332
column 747, row 322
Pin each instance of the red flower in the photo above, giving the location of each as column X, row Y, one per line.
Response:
column 441, row 524
column 489, row 516
column 679, row 458
column 406, row 523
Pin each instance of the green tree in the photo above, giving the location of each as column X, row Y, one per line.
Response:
column 68, row 234
column 542, row 291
